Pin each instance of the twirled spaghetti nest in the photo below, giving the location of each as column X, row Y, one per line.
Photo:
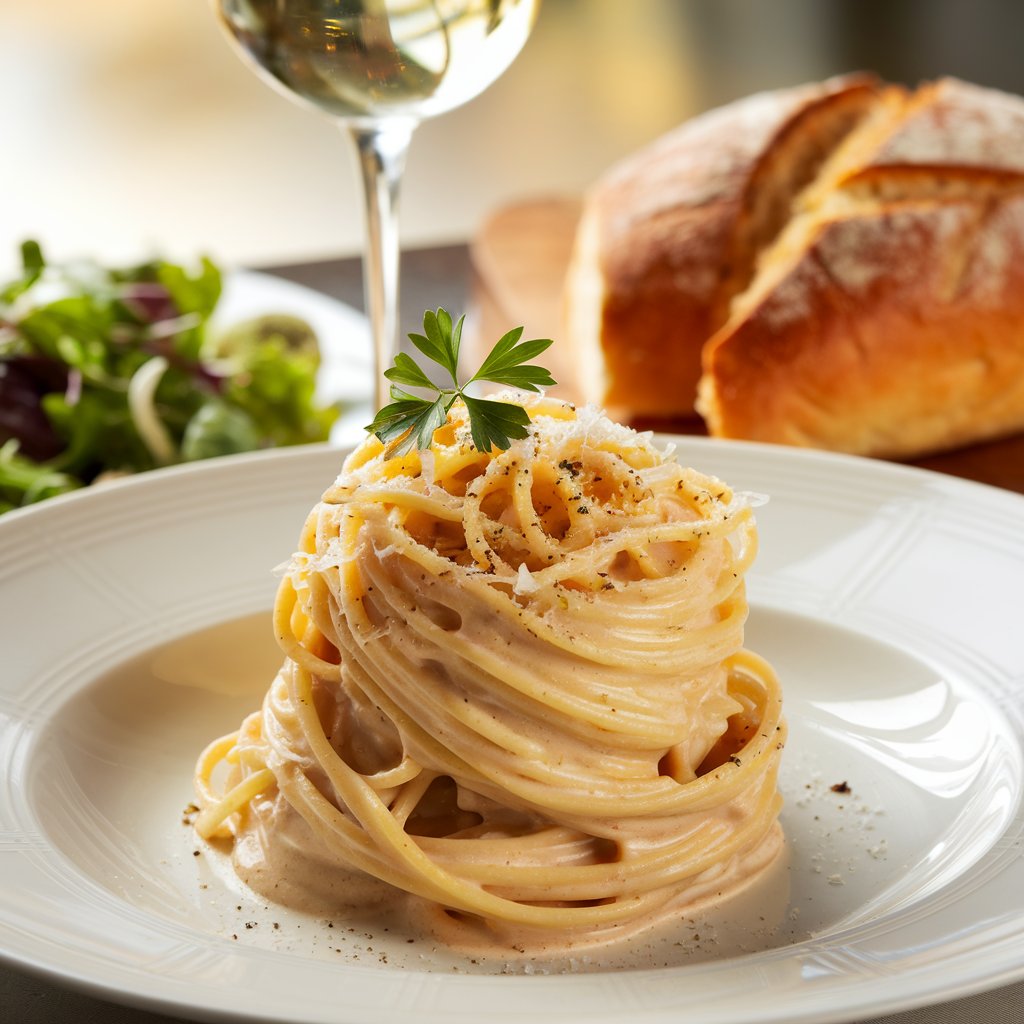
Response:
column 514, row 684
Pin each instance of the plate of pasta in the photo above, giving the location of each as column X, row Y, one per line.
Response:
column 602, row 725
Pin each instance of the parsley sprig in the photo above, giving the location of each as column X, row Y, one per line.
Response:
column 409, row 422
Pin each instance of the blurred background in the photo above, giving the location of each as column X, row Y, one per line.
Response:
column 131, row 128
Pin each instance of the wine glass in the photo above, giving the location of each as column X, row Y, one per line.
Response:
column 379, row 67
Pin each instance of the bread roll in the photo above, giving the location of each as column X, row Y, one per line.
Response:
column 838, row 266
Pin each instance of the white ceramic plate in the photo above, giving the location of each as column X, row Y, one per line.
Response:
column 346, row 356
column 890, row 600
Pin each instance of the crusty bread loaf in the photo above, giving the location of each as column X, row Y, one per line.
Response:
column 839, row 266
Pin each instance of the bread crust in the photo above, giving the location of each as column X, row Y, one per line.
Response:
column 885, row 314
column 890, row 356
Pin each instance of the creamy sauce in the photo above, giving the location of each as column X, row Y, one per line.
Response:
column 279, row 858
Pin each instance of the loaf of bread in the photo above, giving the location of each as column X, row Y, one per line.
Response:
column 839, row 265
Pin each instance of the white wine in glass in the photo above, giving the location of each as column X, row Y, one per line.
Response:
column 379, row 67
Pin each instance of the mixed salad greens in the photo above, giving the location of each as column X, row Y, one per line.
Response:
column 109, row 371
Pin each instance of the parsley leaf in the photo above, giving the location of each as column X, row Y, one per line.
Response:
column 494, row 423
column 409, row 422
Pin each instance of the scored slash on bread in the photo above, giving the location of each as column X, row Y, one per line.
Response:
column 672, row 233
column 838, row 265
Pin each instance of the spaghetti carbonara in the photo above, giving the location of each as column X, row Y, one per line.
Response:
column 514, row 688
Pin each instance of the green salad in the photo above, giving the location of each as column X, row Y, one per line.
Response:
column 110, row 371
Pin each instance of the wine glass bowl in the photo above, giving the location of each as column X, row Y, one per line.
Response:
column 379, row 67
column 366, row 61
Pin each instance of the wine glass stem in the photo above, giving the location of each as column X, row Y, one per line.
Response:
column 381, row 149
